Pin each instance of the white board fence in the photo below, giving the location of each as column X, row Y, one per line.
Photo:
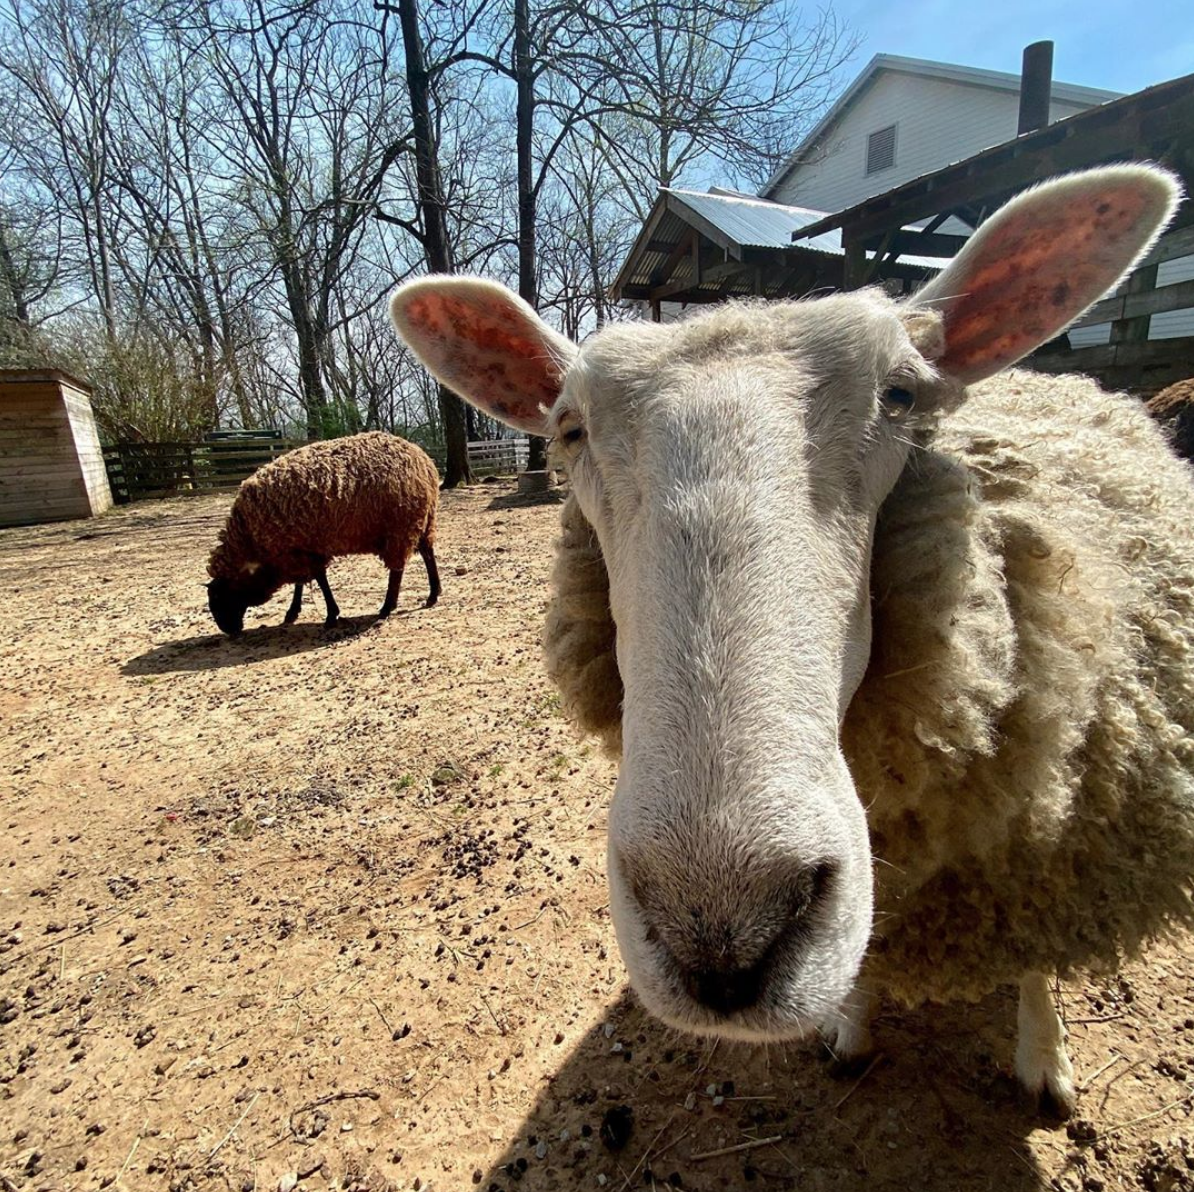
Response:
column 498, row 455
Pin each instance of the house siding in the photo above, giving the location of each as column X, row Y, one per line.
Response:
column 938, row 121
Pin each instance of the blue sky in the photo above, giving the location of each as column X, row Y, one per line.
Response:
column 1098, row 43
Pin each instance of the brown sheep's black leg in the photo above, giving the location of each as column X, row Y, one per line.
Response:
column 391, row 601
column 296, row 606
column 428, row 553
column 321, row 578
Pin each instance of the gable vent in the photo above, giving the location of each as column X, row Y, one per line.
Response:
column 880, row 150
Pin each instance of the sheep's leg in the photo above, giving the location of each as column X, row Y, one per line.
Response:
column 847, row 1035
column 296, row 606
column 1042, row 1064
column 428, row 553
column 391, row 600
column 333, row 609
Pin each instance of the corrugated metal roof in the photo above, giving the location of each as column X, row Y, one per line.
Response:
column 757, row 223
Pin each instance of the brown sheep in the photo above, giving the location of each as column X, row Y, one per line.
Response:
column 365, row 494
column 1174, row 409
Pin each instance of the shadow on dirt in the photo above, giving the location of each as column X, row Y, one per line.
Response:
column 636, row 1105
column 552, row 496
column 213, row 651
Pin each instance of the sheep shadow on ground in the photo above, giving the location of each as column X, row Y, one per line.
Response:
column 636, row 1105
column 214, row 651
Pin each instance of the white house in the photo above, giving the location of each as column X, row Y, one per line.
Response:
column 904, row 117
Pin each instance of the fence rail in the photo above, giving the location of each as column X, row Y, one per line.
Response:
column 498, row 455
column 139, row 471
column 1130, row 359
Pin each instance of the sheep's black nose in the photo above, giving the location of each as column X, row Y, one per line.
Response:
column 724, row 958
column 725, row 992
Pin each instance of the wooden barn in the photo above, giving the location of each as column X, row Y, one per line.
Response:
column 51, row 462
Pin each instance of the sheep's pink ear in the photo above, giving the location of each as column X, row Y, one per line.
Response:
column 1043, row 259
column 486, row 344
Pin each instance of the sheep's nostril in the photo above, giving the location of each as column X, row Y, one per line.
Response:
column 725, row 992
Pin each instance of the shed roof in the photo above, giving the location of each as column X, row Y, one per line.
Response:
column 756, row 222
column 998, row 80
column 734, row 223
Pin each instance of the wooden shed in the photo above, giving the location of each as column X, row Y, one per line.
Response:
column 51, row 462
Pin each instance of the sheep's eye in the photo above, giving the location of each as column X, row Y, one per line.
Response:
column 898, row 402
column 574, row 435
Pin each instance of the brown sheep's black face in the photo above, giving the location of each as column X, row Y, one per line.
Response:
column 227, row 606
column 228, row 599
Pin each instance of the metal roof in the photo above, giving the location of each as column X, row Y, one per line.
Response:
column 999, row 80
column 757, row 223
column 732, row 221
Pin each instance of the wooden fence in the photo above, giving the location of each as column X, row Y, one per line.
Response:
column 137, row 471
column 498, row 455
column 1130, row 359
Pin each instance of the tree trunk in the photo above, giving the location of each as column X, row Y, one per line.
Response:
column 527, row 281
column 436, row 244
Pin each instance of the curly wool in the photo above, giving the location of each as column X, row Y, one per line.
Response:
column 371, row 493
column 1022, row 738
column 1174, row 409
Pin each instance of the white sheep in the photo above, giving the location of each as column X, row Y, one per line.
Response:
column 902, row 677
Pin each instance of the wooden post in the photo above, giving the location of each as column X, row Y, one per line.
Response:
column 854, row 275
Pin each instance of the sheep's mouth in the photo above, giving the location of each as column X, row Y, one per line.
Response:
column 760, row 1024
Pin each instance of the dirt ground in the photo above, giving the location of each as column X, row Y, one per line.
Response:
column 327, row 909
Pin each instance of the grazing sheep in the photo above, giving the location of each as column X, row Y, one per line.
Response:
column 896, row 646
column 1174, row 409
column 361, row 495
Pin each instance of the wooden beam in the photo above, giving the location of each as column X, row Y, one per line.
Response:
column 679, row 251
column 921, row 244
column 722, row 272
column 1102, row 356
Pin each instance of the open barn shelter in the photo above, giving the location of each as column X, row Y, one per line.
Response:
column 51, row 462
column 698, row 248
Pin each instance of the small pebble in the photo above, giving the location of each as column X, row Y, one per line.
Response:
column 690, row 1102
column 608, row 1030
column 541, row 1150
column 345, row 1127
column 719, row 1100
column 288, row 1182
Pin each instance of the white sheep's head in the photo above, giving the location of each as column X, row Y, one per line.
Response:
column 732, row 467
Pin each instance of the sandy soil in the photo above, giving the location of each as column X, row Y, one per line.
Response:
column 329, row 909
